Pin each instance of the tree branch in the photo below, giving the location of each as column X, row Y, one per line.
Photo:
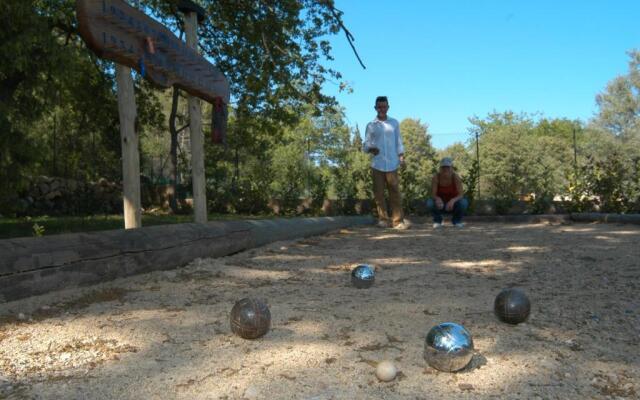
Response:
column 266, row 48
column 183, row 128
column 336, row 14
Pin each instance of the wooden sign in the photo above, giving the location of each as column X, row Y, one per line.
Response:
column 116, row 31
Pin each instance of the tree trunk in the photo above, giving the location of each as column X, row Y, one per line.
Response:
column 236, row 170
column 173, row 203
column 55, row 144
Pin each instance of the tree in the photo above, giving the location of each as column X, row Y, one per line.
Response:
column 360, row 167
column 349, row 167
column 28, row 47
column 58, row 109
column 619, row 104
column 522, row 158
column 271, row 53
column 462, row 157
column 419, row 162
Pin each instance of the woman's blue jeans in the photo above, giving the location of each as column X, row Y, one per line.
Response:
column 459, row 207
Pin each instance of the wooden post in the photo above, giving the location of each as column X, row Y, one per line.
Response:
column 195, row 128
column 129, row 142
column 575, row 153
column 478, row 161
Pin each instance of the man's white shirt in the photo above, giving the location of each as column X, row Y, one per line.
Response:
column 384, row 135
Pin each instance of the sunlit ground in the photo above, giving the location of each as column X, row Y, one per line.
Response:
column 166, row 334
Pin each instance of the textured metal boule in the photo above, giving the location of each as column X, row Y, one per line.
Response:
column 512, row 306
column 250, row 318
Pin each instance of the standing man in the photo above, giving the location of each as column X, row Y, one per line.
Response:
column 384, row 142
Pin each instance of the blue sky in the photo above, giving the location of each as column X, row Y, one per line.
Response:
column 445, row 61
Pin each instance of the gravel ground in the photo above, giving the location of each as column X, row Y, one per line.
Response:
column 166, row 335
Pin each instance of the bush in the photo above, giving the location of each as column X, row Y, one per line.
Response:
column 610, row 183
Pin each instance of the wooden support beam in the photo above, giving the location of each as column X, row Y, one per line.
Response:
column 197, row 138
column 31, row 266
column 129, row 142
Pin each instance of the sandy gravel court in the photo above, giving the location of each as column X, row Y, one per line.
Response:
column 166, row 335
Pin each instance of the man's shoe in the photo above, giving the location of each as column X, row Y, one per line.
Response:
column 459, row 225
column 437, row 225
column 403, row 225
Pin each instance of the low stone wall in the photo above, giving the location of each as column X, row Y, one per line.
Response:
column 516, row 219
column 330, row 207
column 597, row 217
column 550, row 218
column 32, row 266
column 60, row 196
column 522, row 219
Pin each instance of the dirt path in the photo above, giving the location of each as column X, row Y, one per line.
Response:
column 166, row 335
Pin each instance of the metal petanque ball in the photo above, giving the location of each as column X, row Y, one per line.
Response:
column 363, row 276
column 250, row 318
column 512, row 306
column 448, row 347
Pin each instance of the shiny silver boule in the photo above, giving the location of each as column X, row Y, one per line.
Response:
column 448, row 347
column 363, row 276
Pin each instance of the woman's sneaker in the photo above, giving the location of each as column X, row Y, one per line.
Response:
column 383, row 224
column 437, row 225
column 459, row 225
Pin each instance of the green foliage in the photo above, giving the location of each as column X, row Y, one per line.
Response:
column 350, row 170
column 502, row 156
column 524, row 159
column 545, row 176
column 273, row 54
column 578, row 193
column 286, row 139
column 309, row 159
column 470, row 183
column 58, row 113
column 611, row 173
column 463, row 157
column 247, row 197
column 415, row 176
column 610, row 181
column 236, row 180
column 289, row 174
column 527, row 159
column 28, row 47
column 38, row 230
column 619, row 104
